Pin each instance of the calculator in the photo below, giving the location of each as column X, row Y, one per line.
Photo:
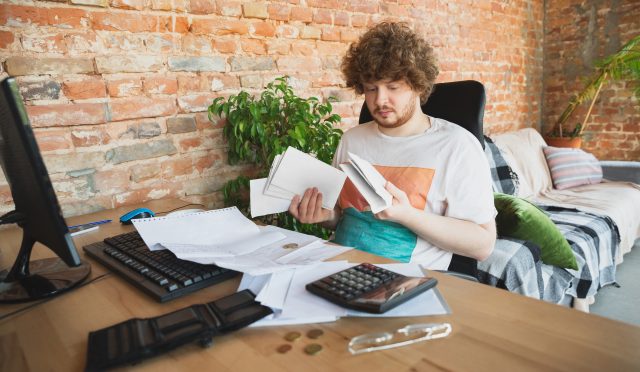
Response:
column 369, row 288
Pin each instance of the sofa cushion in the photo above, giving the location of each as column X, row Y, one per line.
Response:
column 523, row 151
column 572, row 167
column 505, row 180
column 518, row 218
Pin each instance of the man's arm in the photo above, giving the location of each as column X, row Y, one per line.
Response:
column 458, row 236
column 308, row 209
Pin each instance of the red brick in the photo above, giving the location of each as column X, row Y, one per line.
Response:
column 6, row 39
column 91, row 87
column 279, row 12
column 219, row 27
column 323, row 16
column 141, row 107
column 330, row 34
column 207, row 162
column 90, row 137
column 113, row 180
column 67, row 114
column 330, row 4
column 196, row 102
column 128, row 4
column 124, row 22
column 278, row 46
column 341, row 19
column 160, row 85
column 44, row 43
column 254, row 46
column 266, row 29
column 359, row 20
column 225, row 46
column 22, row 14
column 161, row 4
column 181, row 25
column 304, row 47
column 189, row 84
column 52, row 140
column 202, row 6
column 176, row 167
column 301, row 14
column 229, row 8
column 349, row 35
column 298, row 64
column 124, row 87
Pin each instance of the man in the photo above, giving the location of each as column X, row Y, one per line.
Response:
column 436, row 170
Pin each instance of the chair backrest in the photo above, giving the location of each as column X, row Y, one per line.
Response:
column 460, row 102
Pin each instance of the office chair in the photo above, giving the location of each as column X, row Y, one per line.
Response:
column 462, row 103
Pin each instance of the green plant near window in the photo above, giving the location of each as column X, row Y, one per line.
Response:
column 259, row 128
column 622, row 65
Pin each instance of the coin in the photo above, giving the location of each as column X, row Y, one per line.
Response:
column 290, row 245
column 292, row 336
column 313, row 349
column 315, row 333
column 283, row 348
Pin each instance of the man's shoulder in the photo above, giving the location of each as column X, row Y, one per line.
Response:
column 360, row 130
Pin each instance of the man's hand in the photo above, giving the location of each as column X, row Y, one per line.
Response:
column 400, row 205
column 308, row 209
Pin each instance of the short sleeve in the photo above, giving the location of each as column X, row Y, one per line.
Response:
column 469, row 192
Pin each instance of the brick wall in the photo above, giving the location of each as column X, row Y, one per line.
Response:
column 577, row 34
column 117, row 89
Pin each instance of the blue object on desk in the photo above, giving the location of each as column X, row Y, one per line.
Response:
column 136, row 213
column 94, row 223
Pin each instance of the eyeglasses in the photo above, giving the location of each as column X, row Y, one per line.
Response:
column 407, row 335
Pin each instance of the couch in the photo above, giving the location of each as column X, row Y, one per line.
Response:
column 600, row 221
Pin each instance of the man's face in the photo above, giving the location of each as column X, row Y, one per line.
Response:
column 391, row 103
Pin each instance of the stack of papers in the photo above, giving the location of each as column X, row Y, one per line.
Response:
column 369, row 182
column 227, row 238
column 291, row 173
column 285, row 293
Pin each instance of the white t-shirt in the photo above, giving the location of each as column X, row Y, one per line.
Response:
column 443, row 171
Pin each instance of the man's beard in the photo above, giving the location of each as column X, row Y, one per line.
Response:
column 405, row 116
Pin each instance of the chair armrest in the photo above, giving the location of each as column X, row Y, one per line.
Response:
column 618, row 170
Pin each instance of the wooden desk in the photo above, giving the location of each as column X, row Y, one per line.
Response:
column 492, row 329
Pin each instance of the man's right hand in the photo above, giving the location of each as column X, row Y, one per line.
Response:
column 308, row 209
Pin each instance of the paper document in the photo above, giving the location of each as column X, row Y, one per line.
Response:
column 291, row 174
column 369, row 182
column 262, row 204
column 293, row 304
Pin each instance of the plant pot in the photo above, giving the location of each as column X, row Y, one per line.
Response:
column 573, row 143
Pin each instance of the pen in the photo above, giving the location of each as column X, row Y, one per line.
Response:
column 94, row 223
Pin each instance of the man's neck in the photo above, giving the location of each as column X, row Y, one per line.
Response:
column 418, row 124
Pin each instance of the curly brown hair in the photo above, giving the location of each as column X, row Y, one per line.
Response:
column 391, row 51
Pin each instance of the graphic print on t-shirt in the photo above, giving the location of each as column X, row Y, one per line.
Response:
column 360, row 229
column 415, row 182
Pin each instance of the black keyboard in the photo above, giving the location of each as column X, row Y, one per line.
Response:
column 159, row 274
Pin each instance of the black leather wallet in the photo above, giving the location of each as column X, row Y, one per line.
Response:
column 137, row 339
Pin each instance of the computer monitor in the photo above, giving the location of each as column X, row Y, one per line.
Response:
column 37, row 211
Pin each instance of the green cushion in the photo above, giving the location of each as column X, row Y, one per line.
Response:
column 517, row 218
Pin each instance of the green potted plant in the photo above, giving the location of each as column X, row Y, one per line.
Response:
column 622, row 65
column 259, row 128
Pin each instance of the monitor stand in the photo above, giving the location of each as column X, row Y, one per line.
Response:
column 33, row 280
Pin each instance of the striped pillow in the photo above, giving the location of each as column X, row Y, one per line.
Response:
column 572, row 167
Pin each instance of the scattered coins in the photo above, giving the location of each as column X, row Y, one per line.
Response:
column 315, row 333
column 292, row 336
column 313, row 349
column 283, row 348
column 290, row 246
